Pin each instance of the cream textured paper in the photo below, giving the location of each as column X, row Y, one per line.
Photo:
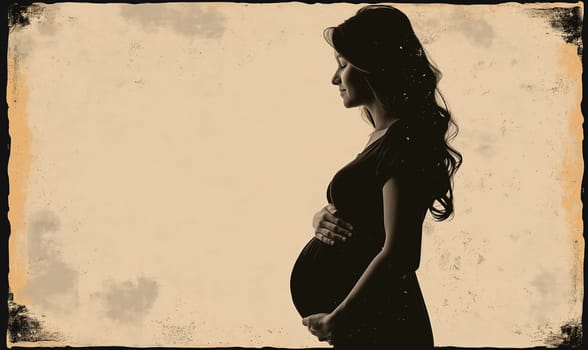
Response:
column 167, row 160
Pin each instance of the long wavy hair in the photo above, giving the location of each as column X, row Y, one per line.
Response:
column 380, row 42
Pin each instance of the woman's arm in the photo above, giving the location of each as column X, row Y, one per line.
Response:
column 386, row 261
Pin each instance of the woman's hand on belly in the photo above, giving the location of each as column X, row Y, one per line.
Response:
column 320, row 325
column 328, row 228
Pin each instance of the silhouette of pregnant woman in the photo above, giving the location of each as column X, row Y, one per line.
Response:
column 355, row 282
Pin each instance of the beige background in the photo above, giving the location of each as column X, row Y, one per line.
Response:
column 167, row 161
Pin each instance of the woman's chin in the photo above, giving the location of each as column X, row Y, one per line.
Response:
column 349, row 104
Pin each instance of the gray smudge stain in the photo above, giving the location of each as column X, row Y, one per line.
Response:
column 188, row 20
column 546, row 285
column 128, row 301
column 429, row 28
column 43, row 224
column 566, row 20
column 485, row 150
column 47, row 23
column 544, row 282
column 23, row 326
column 51, row 279
column 514, row 236
column 476, row 30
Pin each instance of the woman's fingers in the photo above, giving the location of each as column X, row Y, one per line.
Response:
column 328, row 233
column 320, row 335
column 330, row 217
column 336, row 229
column 329, row 228
column 331, row 208
column 327, row 236
column 308, row 322
column 323, row 237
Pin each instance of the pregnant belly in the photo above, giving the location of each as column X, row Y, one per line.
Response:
column 323, row 275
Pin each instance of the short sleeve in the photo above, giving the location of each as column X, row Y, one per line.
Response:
column 403, row 153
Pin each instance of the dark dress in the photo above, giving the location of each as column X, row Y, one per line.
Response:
column 392, row 310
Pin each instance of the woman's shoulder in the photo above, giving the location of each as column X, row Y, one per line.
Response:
column 403, row 150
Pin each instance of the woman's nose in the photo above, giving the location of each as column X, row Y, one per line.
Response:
column 336, row 80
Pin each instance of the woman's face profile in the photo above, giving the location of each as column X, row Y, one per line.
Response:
column 352, row 85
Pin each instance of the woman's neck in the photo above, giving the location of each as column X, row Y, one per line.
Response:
column 382, row 119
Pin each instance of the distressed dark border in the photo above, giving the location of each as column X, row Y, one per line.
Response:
column 17, row 13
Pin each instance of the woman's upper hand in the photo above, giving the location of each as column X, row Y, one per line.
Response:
column 328, row 228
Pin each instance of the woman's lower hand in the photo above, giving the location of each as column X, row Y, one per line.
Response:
column 328, row 228
column 321, row 326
